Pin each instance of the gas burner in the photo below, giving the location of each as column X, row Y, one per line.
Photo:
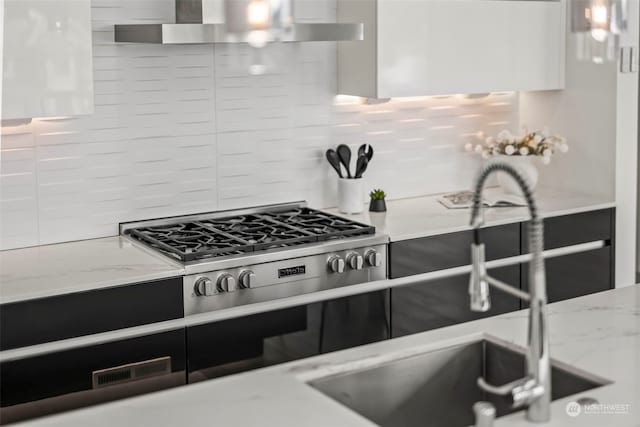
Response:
column 261, row 231
column 324, row 225
column 201, row 237
column 189, row 241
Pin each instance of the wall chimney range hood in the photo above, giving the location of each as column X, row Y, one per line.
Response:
column 219, row 21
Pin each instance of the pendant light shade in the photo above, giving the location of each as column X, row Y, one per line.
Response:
column 598, row 25
column 256, row 22
column 260, row 20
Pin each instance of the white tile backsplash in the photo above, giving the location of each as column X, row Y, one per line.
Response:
column 184, row 129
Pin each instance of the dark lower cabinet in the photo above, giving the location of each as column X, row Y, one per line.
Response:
column 584, row 273
column 415, row 256
column 265, row 339
column 82, row 377
column 572, row 276
column 445, row 302
column 440, row 303
column 76, row 378
column 72, row 315
column 567, row 230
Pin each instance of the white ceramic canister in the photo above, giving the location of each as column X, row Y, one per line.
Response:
column 351, row 195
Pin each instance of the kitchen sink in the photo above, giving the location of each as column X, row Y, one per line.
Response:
column 438, row 388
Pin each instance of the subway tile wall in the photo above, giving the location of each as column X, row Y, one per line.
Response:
column 185, row 129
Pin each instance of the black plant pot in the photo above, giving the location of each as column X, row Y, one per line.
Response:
column 377, row 205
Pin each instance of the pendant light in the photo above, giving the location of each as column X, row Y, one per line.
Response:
column 597, row 25
column 236, row 21
column 258, row 22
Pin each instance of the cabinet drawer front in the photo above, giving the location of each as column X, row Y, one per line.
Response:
column 445, row 302
column 72, row 315
column 574, row 229
column 576, row 275
column 434, row 253
column 72, row 373
column 241, row 338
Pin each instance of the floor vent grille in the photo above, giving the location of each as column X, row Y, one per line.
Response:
column 131, row 372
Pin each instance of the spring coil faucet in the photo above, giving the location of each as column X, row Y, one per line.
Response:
column 533, row 391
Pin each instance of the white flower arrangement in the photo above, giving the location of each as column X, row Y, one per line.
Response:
column 537, row 143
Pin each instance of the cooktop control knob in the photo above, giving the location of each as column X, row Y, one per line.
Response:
column 355, row 261
column 226, row 283
column 204, row 287
column 336, row 264
column 245, row 279
column 374, row 258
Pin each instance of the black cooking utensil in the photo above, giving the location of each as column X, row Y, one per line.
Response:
column 344, row 153
column 334, row 161
column 367, row 150
column 361, row 165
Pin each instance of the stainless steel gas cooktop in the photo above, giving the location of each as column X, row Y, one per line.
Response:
column 230, row 255
column 198, row 238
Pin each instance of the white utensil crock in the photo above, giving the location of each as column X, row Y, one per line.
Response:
column 350, row 196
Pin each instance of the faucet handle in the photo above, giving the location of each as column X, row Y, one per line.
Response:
column 522, row 391
column 526, row 392
column 501, row 390
column 485, row 414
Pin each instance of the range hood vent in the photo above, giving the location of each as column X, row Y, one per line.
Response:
column 201, row 22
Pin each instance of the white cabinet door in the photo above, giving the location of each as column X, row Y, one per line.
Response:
column 443, row 47
column 47, row 63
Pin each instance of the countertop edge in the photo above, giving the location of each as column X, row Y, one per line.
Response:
column 160, row 267
column 97, row 286
column 495, row 223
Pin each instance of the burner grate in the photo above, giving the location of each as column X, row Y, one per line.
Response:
column 262, row 231
column 243, row 234
column 323, row 225
column 191, row 241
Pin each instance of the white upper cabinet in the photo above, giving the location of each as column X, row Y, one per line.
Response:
column 47, row 61
column 444, row 47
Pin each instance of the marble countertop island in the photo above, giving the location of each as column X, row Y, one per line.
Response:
column 599, row 334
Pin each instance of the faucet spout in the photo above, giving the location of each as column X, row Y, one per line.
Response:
column 478, row 284
column 535, row 389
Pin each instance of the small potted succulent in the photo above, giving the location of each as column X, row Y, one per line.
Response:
column 377, row 203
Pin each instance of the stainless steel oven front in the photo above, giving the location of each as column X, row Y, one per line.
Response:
column 243, row 343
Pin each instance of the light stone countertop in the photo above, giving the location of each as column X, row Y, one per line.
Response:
column 43, row 271
column 424, row 216
column 49, row 270
column 599, row 334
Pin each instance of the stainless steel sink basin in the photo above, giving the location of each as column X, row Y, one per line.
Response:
column 439, row 388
